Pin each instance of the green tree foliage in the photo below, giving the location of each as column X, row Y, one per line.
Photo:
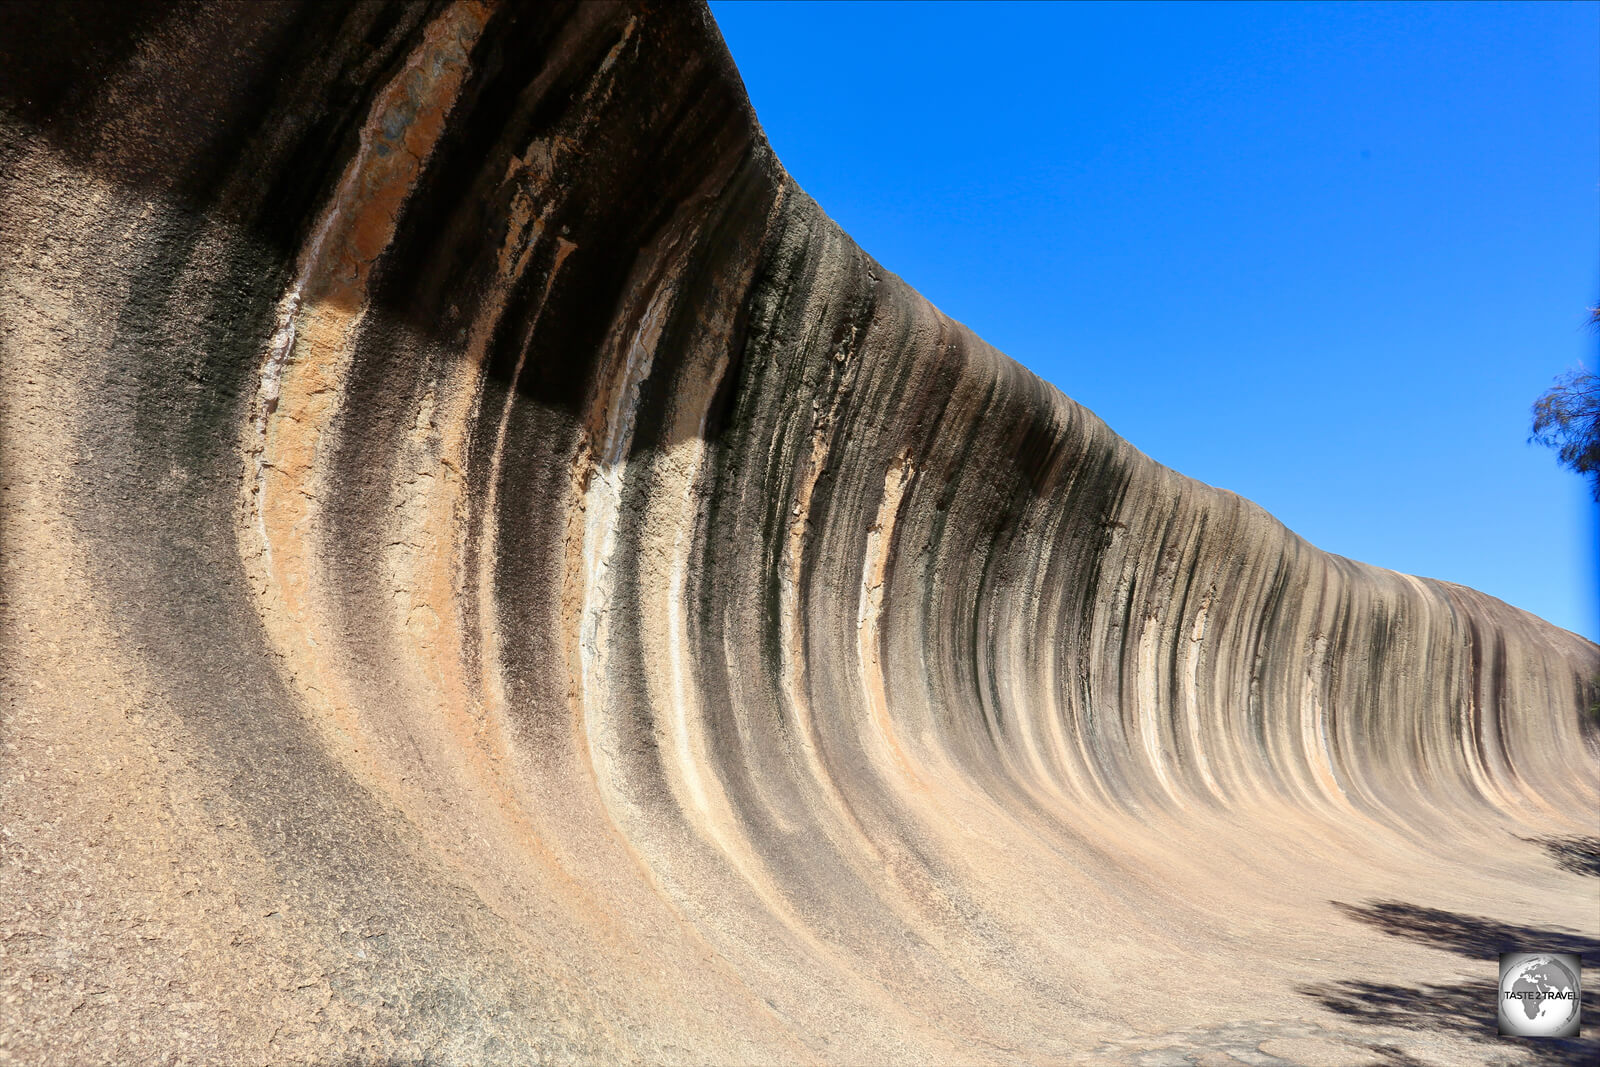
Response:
column 1567, row 418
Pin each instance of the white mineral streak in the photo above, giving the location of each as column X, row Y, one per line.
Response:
column 869, row 617
column 309, row 348
column 603, row 501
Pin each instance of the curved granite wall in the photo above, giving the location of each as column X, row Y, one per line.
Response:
column 492, row 573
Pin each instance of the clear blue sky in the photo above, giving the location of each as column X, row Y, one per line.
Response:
column 1323, row 255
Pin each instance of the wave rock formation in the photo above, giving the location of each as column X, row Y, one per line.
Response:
column 492, row 573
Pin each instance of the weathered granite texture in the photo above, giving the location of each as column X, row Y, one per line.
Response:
column 491, row 573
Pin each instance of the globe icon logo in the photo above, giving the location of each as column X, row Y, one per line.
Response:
column 1540, row 994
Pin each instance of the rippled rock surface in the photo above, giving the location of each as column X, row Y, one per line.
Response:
column 492, row 573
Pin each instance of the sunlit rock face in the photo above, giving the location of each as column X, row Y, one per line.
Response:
column 492, row 573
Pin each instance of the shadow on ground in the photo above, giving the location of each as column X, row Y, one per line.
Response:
column 1465, row 1009
column 1466, row 935
column 1575, row 855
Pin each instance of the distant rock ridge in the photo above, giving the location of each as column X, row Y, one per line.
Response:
column 492, row 573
